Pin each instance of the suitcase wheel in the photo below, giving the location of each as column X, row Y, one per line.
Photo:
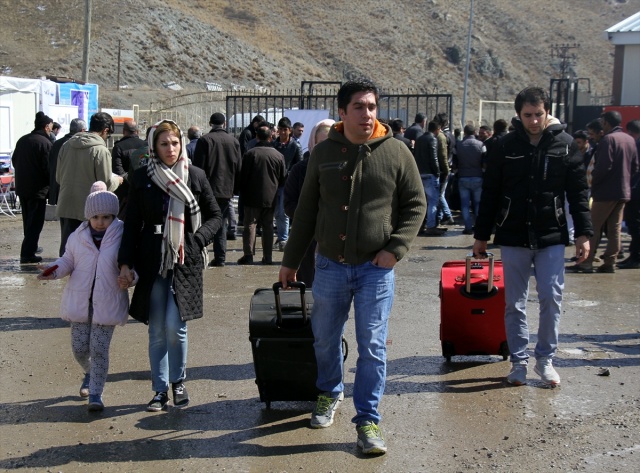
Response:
column 504, row 350
column 448, row 351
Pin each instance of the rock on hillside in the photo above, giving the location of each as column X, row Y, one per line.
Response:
column 403, row 44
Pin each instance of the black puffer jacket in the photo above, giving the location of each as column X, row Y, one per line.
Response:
column 524, row 188
column 140, row 247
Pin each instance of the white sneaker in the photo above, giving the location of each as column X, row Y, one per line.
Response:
column 518, row 374
column 547, row 373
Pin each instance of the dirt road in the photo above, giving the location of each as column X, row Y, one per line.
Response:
column 438, row 417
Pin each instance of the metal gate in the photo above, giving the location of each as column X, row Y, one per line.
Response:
column 241, row 108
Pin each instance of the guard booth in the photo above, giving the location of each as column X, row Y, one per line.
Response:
column 573, row 103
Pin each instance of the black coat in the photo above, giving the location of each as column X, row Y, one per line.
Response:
column 218, row 154
column 54, row 187
column 30, row 160
column 426, row 154
column 263, row 171
column 524, row 188
column 121, row 160
column 141, row 246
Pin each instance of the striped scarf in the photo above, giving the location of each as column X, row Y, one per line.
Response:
column 175, row 182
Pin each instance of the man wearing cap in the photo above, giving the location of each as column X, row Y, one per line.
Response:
column 83, row 160
column 218, row 154
column 31, row 162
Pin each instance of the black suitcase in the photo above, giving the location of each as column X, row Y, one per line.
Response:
column 282, row 344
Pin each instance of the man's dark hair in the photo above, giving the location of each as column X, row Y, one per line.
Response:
column 580, row 134
column 612, row 117
column 419, row 118
column 194, row 132
column 469, row 130
column 130, row 126
column 634, row 126
column 485, row 128
column 257, row 119
column 298, row 124
column 217, row 119
column 442, row 119
column 352, row 87
column 284, row 122
column 56, row 126
column 595, row 125
column 396, row 125
column 433, row 126
column 100, row 121
column 500, row 126
column 263, row 133
column 533, row 96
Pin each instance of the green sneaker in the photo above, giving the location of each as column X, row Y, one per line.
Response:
column 370, row 438
column 326, row 406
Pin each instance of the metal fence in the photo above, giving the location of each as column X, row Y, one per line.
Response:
column 241, row 107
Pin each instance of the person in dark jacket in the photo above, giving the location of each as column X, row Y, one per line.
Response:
column 172, row 216
column 416, row 130
column 218, row 155
column 397, row 126
column 263, row 173
column 30, row 160
column 249, row 133
column 292, row 189
column 632, row 208
column 616, row 161
column 121, row 161
column 528, row 175
column 75, row 126
column 194, row 134
column 426, row 154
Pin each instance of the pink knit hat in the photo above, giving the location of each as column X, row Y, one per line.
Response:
column 100, row 201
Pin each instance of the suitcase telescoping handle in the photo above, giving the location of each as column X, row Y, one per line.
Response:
column 467, row 276
column 303, row 304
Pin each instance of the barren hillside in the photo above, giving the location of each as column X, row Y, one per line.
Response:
column 419, row 44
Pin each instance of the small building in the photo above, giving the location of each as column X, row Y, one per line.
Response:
column 626, row 65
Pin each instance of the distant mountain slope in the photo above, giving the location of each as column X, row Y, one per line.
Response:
column 399, row 44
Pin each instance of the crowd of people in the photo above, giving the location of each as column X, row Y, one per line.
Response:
column 143, row 215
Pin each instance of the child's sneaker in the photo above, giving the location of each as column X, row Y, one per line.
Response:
column 159, row 402
column 326, row 406
column 518, row 374
column 370, row 438
column 95, row 403
column 84, row 389
column 547, row 373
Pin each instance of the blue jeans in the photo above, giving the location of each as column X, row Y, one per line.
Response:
column 431, row 185
column 370, row 288
column 444, row 213
column 167, row 337
column 470, row 188
column 547, row 266
column 282, row 221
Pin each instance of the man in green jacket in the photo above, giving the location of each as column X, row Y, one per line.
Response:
column 363, row 202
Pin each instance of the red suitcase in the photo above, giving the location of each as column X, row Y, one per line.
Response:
column 472, row 308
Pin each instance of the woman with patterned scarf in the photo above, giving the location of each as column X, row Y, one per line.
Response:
column 171, row 217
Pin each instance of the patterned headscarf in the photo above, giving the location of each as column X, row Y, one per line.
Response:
column 175, row 182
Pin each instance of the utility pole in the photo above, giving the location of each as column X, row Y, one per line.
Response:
column 567, row 60
column 466, row 72
column 87, row 40
column 118, row 80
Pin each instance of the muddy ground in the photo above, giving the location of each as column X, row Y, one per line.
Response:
column 438, row 417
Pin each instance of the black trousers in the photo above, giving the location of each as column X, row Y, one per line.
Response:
column 220, row 238
column 67, row 227
column 33, row 211
column 632, row 219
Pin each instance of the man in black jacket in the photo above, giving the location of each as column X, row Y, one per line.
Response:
column 263, row 172
column 426, row 154
column 528, row 175
column 218, row 154
column 30, row 160
column 75, row 126
column 121, row 160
